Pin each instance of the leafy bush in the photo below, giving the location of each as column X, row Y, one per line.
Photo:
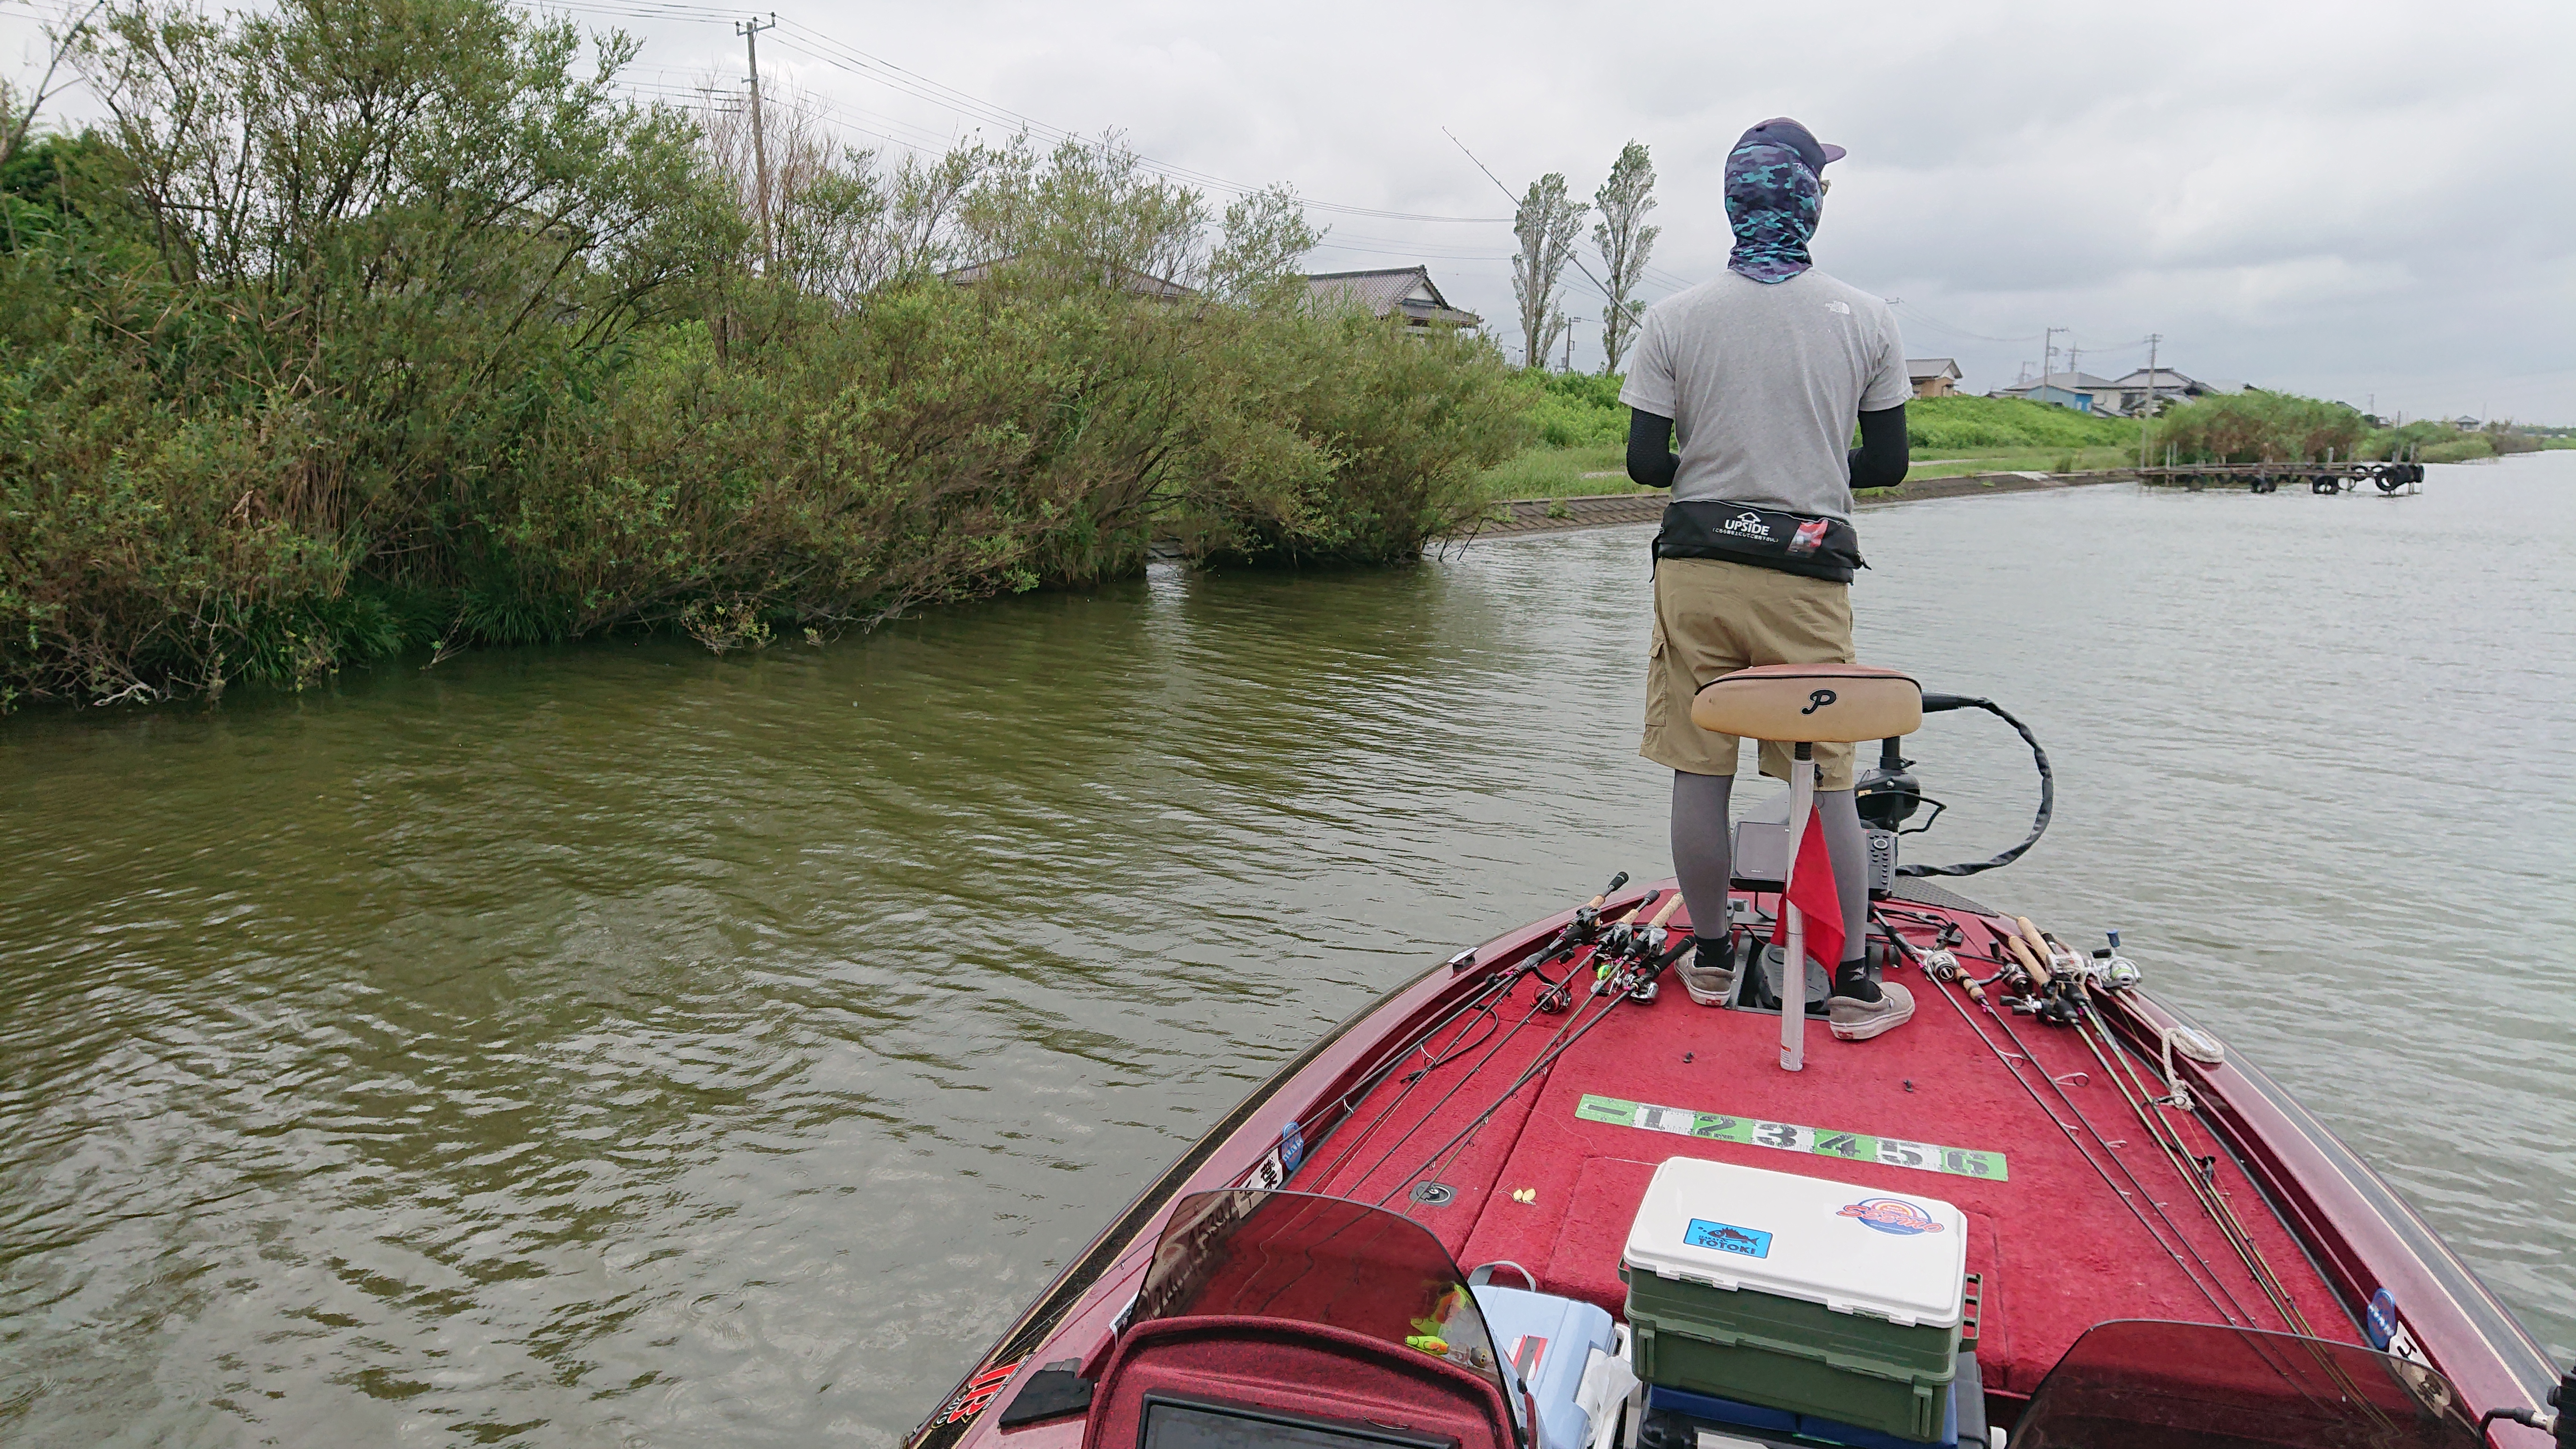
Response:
column 2257, row 427
column 2459, row 450
column 373, row 324
column 1575, row 409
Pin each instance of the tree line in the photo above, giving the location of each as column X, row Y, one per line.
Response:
column 368, row 326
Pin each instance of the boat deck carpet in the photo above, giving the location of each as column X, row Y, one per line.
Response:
column 1551, row 1180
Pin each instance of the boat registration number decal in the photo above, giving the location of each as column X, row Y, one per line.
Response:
column 1789, row 1137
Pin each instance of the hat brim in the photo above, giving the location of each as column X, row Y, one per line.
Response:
column 1832, row 153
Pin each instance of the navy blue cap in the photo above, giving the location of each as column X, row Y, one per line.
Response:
column 1781, row 131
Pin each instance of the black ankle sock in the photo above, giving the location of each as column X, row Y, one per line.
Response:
column 1852, row 979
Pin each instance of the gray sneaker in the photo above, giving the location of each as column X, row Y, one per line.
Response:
column 1853, row 1019
column 1707, row 985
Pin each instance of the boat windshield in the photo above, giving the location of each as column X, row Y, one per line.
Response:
column 2136, row 1384
column 1310, row 1259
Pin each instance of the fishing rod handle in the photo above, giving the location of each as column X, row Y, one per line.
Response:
column 1666, row 913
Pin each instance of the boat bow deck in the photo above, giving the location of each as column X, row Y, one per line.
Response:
column 2040, row 1151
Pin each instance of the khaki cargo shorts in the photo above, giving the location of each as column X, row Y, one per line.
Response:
column 1713, row 617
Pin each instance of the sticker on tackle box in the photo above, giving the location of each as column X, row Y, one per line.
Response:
column 1790, row 1137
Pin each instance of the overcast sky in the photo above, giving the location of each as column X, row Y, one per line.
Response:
column 2368, row 201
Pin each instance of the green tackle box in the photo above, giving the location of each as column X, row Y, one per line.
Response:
column 1797, row 1293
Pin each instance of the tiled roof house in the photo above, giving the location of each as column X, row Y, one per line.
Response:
column 1406, row 292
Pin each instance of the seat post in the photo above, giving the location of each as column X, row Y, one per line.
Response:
column 1793, row 970
column 1802, row 705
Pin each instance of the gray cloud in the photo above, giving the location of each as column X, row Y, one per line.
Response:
column 2367, row 199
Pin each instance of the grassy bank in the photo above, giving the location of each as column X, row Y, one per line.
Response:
column 1581, row 431
column 373, row 326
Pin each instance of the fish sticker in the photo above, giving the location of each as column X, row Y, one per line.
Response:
column 1728, row 1238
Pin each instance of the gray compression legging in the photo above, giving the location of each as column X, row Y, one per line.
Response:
column 1700, row 846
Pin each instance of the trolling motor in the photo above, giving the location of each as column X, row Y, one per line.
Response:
column 1888, row 796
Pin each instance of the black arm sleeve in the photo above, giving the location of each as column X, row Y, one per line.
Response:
column 1651, row 463
column 1879, row 461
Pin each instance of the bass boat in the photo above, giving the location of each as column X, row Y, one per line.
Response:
column 1544, row 1197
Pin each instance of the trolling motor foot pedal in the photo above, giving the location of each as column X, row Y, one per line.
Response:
column 1757, row 981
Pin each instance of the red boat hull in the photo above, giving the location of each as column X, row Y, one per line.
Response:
column 2356, row 1235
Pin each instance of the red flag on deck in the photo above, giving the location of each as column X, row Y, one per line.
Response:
column 1811, row 890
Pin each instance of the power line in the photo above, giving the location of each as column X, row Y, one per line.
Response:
column 1937, row 325
column 840, row 55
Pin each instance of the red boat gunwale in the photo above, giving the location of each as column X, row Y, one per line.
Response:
column 2358, row 1233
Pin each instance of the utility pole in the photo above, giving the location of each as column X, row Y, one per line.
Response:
column 1569, row 342
column 2153, row 340
column 750, row 30
column 2048, row 351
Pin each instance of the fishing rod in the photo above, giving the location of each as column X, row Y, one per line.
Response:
column 2124, row 1076
column 1528, row 966
column 2231, row 1309
column 1482, row 1003
column 2179, row 1155
column 1618, row 988
column 1560, row 994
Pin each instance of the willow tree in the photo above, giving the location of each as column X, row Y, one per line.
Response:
column 1625, row 242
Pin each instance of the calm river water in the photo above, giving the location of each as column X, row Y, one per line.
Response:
column 619, row 1045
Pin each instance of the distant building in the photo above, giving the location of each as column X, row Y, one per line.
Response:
column 1158, row 288
column 2065, row 397
column 2123, row 397
column 1400, row 292
column 2466, row 424
column 2164, row 385
column 1933, row 376
column 2097, row 394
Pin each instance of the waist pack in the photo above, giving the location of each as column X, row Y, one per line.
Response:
column 1794, row 543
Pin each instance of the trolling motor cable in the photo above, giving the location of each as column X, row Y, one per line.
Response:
column 1934, row 704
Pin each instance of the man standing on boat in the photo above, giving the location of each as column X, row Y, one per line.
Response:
column 1763, row 374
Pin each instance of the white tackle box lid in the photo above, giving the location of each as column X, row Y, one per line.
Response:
column 1898, row 1256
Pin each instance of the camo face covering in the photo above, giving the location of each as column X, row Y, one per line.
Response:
column 1772, row 199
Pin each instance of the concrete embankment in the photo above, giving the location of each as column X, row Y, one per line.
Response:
column 1540, row 515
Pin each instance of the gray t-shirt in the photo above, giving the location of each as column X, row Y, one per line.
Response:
column 1764, row 383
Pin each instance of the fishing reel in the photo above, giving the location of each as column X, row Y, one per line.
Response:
column 2108, row 970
